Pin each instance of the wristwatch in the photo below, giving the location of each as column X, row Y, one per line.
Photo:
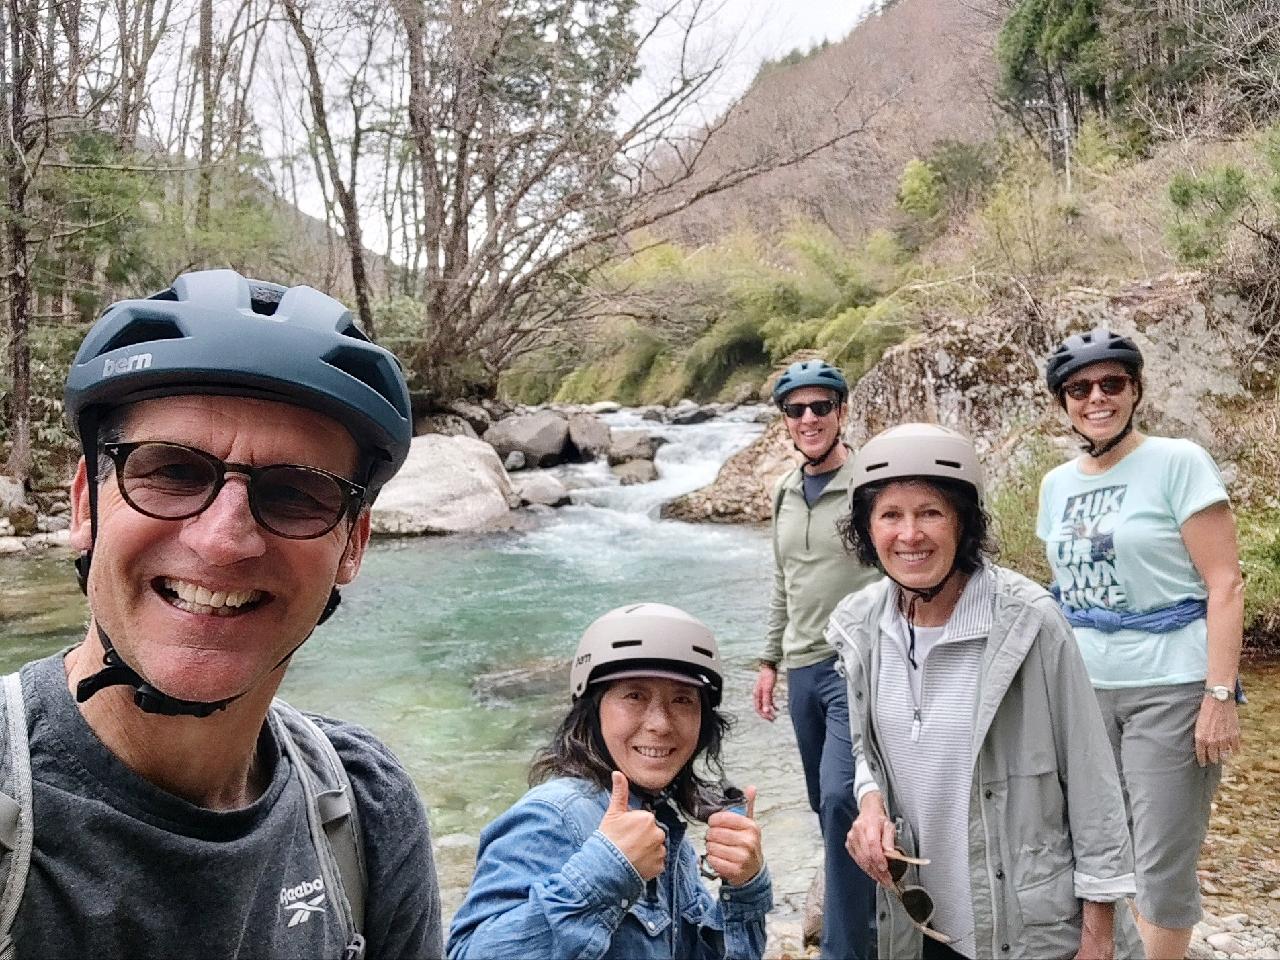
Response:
column 1220, row 693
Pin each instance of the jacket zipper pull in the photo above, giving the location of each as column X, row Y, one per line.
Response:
column 915, row 726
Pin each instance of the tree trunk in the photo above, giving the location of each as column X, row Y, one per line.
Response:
column 13, row 128
column 209, row 99
column 345, row 194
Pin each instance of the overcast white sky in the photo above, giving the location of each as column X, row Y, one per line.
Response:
column 759, row 30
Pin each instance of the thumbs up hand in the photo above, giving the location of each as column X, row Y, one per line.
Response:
column 733, row 844
column 634, row 832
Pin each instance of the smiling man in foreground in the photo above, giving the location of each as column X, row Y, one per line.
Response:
column 234, row 434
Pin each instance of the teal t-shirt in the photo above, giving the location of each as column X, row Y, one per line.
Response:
column 1114, row 541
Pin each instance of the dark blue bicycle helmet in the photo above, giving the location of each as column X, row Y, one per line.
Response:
column 216, row 332
column 1083, row 349
column 809, row 373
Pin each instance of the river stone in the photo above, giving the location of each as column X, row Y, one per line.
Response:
column 53, row 524
column 653, row 413
column 604, row 406
column 12, row 545
column 540, row 678
column 448, row 485
column 633, row 445
column 589, row 437
column 540, row 436
column 445, row 424
column 635, row 471
column 684, row 418
column 514, row 461
column 539, row 487
column 473, row 413
column 54, row 538
column 813, row 905
column 24, row 519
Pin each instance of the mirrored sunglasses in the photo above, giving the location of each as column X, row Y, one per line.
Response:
column 820, row 408
column 1112, row 385
column 171, row 481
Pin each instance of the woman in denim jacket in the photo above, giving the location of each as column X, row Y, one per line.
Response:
column 593, row 862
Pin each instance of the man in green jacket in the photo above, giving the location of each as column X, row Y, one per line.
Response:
column 812, row 574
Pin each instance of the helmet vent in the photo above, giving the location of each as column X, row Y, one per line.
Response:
column 264, row 298
column 144, row 330
column 702, row 650
column 954, row 465
column 876, row 466
column 369, row 369
column 619, row 644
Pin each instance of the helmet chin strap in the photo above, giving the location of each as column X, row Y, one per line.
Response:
column 116, row 672
column 815, row 461
column 918, row 594
column 1097, row 450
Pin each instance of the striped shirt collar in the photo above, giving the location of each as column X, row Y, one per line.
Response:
column 971, row 618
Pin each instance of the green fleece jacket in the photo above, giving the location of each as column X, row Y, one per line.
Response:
column 812, row 571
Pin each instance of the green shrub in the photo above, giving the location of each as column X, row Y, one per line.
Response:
column 1013, row 506
column 1260, row 561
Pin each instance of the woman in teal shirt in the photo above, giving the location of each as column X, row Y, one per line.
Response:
column 1142, row 543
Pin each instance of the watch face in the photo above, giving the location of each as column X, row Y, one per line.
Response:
column 1220, row 693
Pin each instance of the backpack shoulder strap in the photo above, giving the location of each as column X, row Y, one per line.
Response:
column 332, row 813
column 17, row 829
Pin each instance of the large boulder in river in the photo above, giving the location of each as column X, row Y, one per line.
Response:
column 635, row 471
column 448, row 485
column 633, row 445
column 446, row 424
column 14, row 507
column 540, row 487
column 540, row 436
column 589, row 437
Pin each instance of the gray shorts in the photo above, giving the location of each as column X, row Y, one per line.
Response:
column 1166, row 792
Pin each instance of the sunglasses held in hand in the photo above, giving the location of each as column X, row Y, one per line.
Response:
column 915, row 898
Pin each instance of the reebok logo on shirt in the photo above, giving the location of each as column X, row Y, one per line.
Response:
column 303, row 900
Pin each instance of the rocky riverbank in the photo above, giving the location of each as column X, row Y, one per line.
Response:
column 467, row 471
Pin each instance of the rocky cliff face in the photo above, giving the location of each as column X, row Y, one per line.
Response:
column 983, row 375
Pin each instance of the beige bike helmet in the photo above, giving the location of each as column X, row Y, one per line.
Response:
column 917, row 450
column 647, row 640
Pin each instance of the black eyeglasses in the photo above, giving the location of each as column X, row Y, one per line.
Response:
column 170, row 481
column 820, row 408
column 1112, row 386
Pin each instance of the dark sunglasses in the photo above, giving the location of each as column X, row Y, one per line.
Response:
column 170, row 481
column 916, row 900
column 820, row 408
column 1112, row 386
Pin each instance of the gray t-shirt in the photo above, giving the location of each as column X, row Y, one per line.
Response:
column 123, row 869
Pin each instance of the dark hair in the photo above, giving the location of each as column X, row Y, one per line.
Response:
column 577, row 749
column 976, row 541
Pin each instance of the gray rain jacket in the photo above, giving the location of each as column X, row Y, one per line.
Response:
column 1047, row 822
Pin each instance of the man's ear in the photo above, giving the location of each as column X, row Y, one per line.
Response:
column 353, row 552
column 81, row 525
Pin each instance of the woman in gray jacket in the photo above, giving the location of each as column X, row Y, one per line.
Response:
column 990, row 810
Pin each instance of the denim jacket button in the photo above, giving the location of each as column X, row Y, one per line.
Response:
column 652, row 925
column 625, row 904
